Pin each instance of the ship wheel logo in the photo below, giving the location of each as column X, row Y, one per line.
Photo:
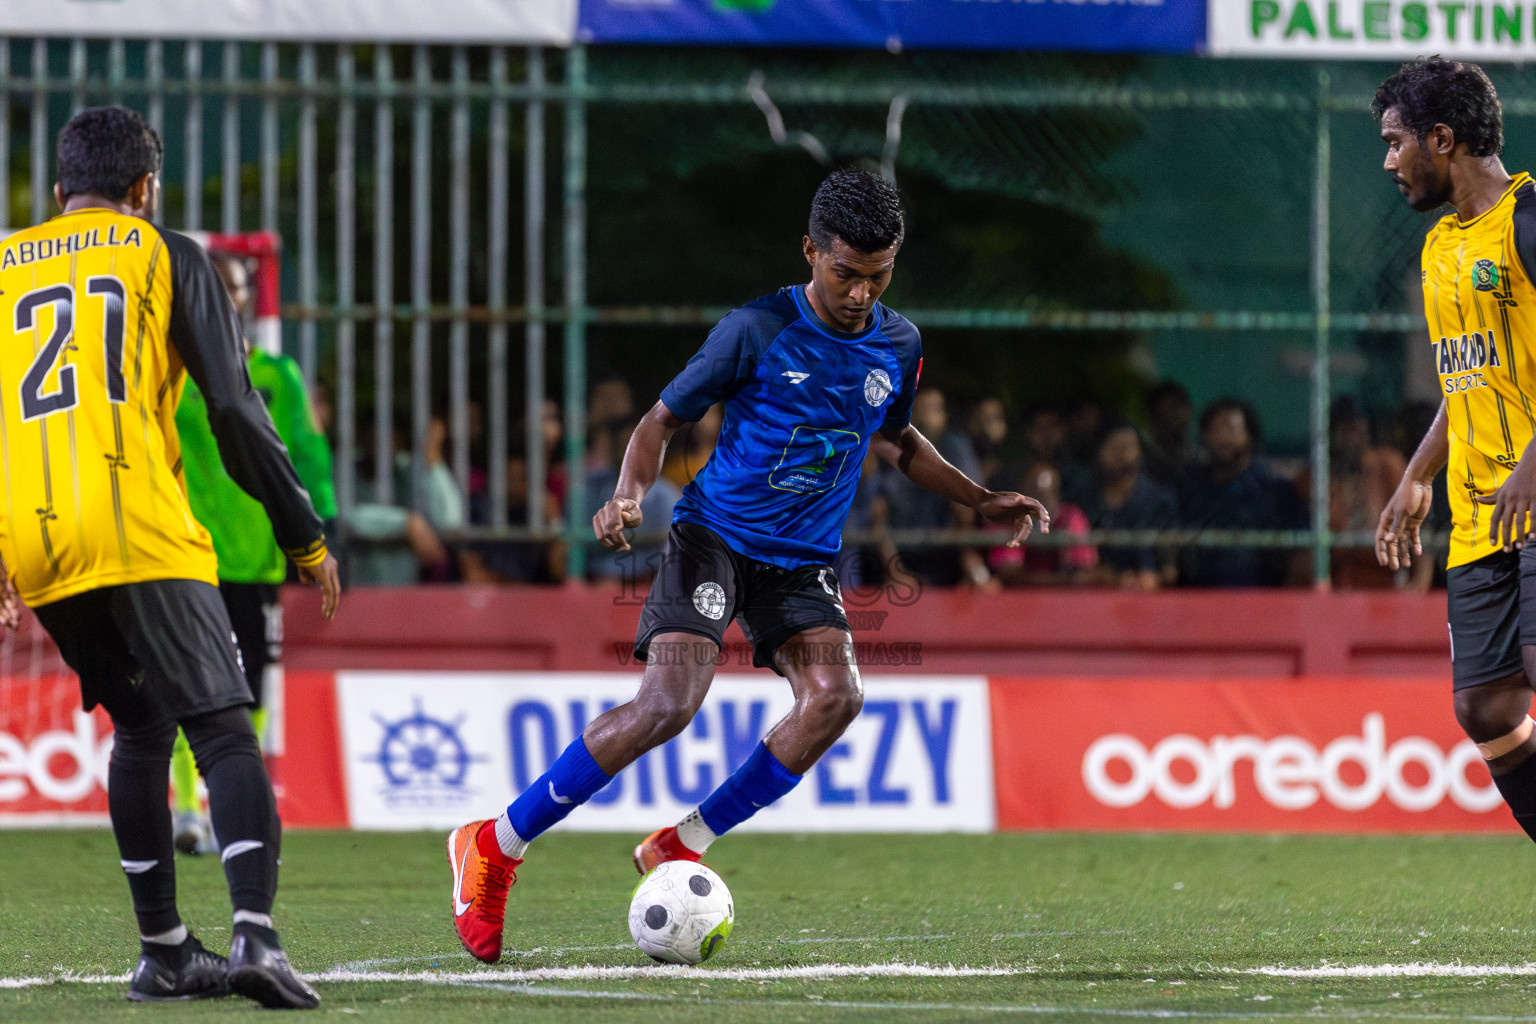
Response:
column 422, row 752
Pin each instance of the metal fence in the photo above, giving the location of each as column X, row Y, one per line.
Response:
column 1246, row 199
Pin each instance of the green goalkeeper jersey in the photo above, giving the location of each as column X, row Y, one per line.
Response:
column 242, row 534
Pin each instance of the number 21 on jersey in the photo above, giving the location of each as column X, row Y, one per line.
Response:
column 36, row 401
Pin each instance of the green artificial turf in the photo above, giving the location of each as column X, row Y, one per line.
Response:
column 1138, row 927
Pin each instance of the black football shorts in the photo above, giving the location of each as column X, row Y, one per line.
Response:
column 256, row 614
column 1491, row 612
column 702, row 584
column 164, row 645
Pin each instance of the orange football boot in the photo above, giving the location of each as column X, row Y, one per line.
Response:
column 659, row 847
column 482, row 874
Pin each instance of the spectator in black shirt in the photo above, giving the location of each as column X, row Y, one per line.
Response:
column 987, row 429
column 1045, row 441
column 1169, row 454
column 1125, row 498
column 515, row 561
column 1231, row 490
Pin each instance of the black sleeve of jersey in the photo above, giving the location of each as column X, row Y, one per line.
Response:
column 909, row 351
column 1525, row 228
column 205, row 331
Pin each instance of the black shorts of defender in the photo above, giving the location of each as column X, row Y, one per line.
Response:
column 163, row 648
column 257, row 617
column 1491, row 611
column 703, row 584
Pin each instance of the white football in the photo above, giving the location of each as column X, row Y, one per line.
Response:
column 681, row 913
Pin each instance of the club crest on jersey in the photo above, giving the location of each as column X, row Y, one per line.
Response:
column 1485, row 275
column 877, row 387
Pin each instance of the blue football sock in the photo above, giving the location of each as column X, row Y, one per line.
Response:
column 569, row 783
column 756, row 784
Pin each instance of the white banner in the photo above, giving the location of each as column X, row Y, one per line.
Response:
column 1484, row 30
column 479, row 21
column 434, row 750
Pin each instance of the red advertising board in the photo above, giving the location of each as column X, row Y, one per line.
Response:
column 1312, row 754
column 1308, row 755
column 53, row 756
column 313, row 793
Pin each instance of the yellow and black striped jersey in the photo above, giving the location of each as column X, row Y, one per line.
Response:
column 102, row 315
column 1480, row 301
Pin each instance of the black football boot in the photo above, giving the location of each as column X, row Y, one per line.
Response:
column 174, row 973
column 259, row 970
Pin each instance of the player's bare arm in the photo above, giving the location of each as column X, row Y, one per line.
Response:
column 1397, row 532
column 642, row 465
column 1513, row 503
column 913, row 454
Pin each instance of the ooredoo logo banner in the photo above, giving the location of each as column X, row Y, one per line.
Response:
column 1317, row 754
column 53, row 756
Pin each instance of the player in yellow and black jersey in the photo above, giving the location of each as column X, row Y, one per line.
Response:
column 102, row 317
column 1443, row 127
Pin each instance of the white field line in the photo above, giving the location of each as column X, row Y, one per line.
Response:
column 362, row 968
column 359, row 971
column 1411, row 970
column 486, row 980
column 668, row 972
column 557, row 951
column 524, row 983
column 66, row 978
column 656, row 972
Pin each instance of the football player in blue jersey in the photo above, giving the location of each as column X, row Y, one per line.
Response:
column 811, row 376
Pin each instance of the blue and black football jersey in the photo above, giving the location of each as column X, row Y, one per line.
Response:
column 802, row 400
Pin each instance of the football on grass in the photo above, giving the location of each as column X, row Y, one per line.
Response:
column 681, row 913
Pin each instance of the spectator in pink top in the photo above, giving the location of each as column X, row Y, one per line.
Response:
column 1034, row 565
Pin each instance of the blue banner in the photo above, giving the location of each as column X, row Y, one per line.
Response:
column 1146, row 26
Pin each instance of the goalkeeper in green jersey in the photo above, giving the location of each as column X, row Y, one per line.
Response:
column 251, row 565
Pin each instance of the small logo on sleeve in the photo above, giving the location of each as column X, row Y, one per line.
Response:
column 795, row 376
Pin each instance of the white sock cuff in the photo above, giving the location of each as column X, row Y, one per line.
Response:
column 512, row 844
column 251, row 917
column 694, row 834
column 175, row 937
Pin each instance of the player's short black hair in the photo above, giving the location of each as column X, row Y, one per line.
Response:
column 1223, row 405
column 1111, row 426
column 861, row 208
column 104, row 150
column 1432, row 90
column 1168, row 390
column 1039, row 409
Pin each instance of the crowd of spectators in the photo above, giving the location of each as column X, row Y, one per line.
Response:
column 1094, row 470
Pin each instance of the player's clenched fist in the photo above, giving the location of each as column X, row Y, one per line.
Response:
column 616, row 516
